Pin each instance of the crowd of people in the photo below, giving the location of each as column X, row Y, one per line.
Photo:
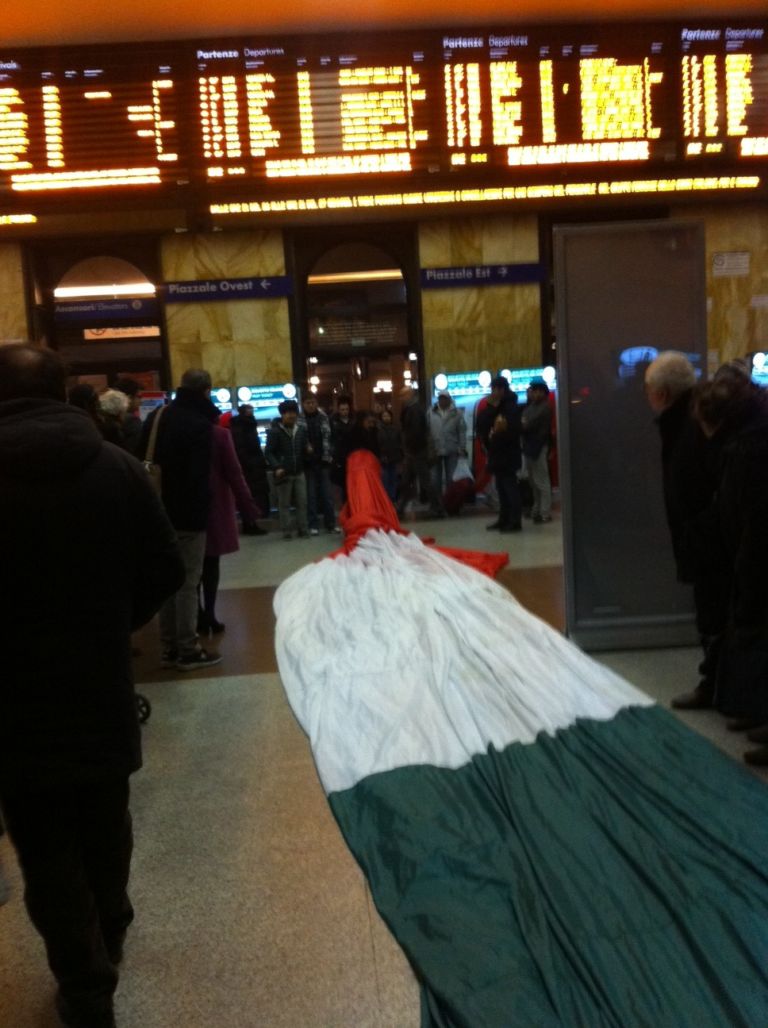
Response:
column 84, row 511
column 714, row 456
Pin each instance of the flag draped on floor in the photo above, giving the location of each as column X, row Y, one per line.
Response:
column 549, row 847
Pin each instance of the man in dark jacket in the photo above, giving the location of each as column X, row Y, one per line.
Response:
column 184, row 450
column 689, row 477
column 287, row 453
column 318, row 466
column 341, row 424
column 536, row 433
column 245, row 434
column 498, row 426
column 89, row 557
column 419, row 454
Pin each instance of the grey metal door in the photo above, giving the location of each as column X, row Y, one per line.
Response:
column 623, row 292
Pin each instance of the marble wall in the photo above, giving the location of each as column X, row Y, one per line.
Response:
column 13, row 312
column 489, row 327
column 737, row 321
column 240, row 341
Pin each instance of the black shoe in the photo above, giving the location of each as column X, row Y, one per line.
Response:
column 511, row 528
column 758, row 757
column 699, row 698
column 114, row 948
column 744, row 724
column 759, row 734
column 254, row 530
column 99, row 1015
column 492, row 526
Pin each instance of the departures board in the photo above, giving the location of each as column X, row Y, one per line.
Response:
column 245, row 126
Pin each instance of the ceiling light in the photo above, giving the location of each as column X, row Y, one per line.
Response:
column 85, row 292
column 382, row 275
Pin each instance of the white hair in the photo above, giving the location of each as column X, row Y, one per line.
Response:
column 671, row 373
column 114, row 402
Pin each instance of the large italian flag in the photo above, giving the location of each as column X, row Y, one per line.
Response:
column 548, row 846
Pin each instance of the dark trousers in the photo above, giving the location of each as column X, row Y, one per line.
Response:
column 319, row 496
column 389, row 475
column 508, row 489
column 416, row 469
column 74, row 846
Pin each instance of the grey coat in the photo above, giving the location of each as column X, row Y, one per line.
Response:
column 449, row 431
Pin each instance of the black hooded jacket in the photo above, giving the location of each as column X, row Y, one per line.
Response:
column 184, row 451
column 88, row 556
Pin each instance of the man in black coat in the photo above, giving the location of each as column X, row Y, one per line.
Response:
column 89, row 556
column 498, row 426
column 184, row 451
column 690, row 474
column 245, row 434
column 418, row 455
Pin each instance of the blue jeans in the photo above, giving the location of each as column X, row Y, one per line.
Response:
column 319, row 496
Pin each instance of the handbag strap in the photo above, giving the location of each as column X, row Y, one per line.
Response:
column 149, row 456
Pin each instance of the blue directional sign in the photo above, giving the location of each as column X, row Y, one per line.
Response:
column 265, row 399
column 520, row 378
column 260, row 287
column 481, row 275
column 89, row 311
column 223, row 398
column 462, row 385
column 760, row 368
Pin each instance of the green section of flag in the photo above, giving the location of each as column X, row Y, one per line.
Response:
column 613, row 875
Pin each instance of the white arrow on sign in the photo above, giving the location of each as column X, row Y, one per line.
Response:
column 265, row 284
column 503, row 271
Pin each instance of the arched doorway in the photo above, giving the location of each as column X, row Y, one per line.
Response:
column 357, row 320
column 356, row 311
column 96, row 303
column 107, row 322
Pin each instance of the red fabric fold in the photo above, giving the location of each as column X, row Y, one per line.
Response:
column 368, row 506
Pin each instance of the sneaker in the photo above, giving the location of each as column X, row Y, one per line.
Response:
column 200, row 658
column 337, row 530
column 303, row 534
column 169, row 658
column 287, row 535
column 314, row 531
column 493, row 524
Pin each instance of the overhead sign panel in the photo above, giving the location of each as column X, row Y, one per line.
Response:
column 94, row 311
column 263, row 287
column 385, row 119
column 481, row 275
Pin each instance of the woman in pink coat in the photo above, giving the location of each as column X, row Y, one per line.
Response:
column 229, row 491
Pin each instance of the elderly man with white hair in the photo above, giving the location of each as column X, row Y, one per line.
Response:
column 690, row 479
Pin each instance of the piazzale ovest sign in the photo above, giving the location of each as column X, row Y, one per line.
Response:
column 402, row 119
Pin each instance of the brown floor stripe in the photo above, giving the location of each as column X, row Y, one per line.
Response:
column 247, row 646
column 540, row 590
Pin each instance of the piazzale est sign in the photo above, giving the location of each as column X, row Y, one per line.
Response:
column 429, row 110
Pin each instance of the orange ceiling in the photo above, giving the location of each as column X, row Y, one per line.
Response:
column 47, row 22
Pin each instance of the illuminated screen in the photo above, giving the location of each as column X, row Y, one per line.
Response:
column 269, row 125
column 77, row 120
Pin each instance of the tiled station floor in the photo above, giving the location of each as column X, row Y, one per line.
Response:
column 250, row 911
